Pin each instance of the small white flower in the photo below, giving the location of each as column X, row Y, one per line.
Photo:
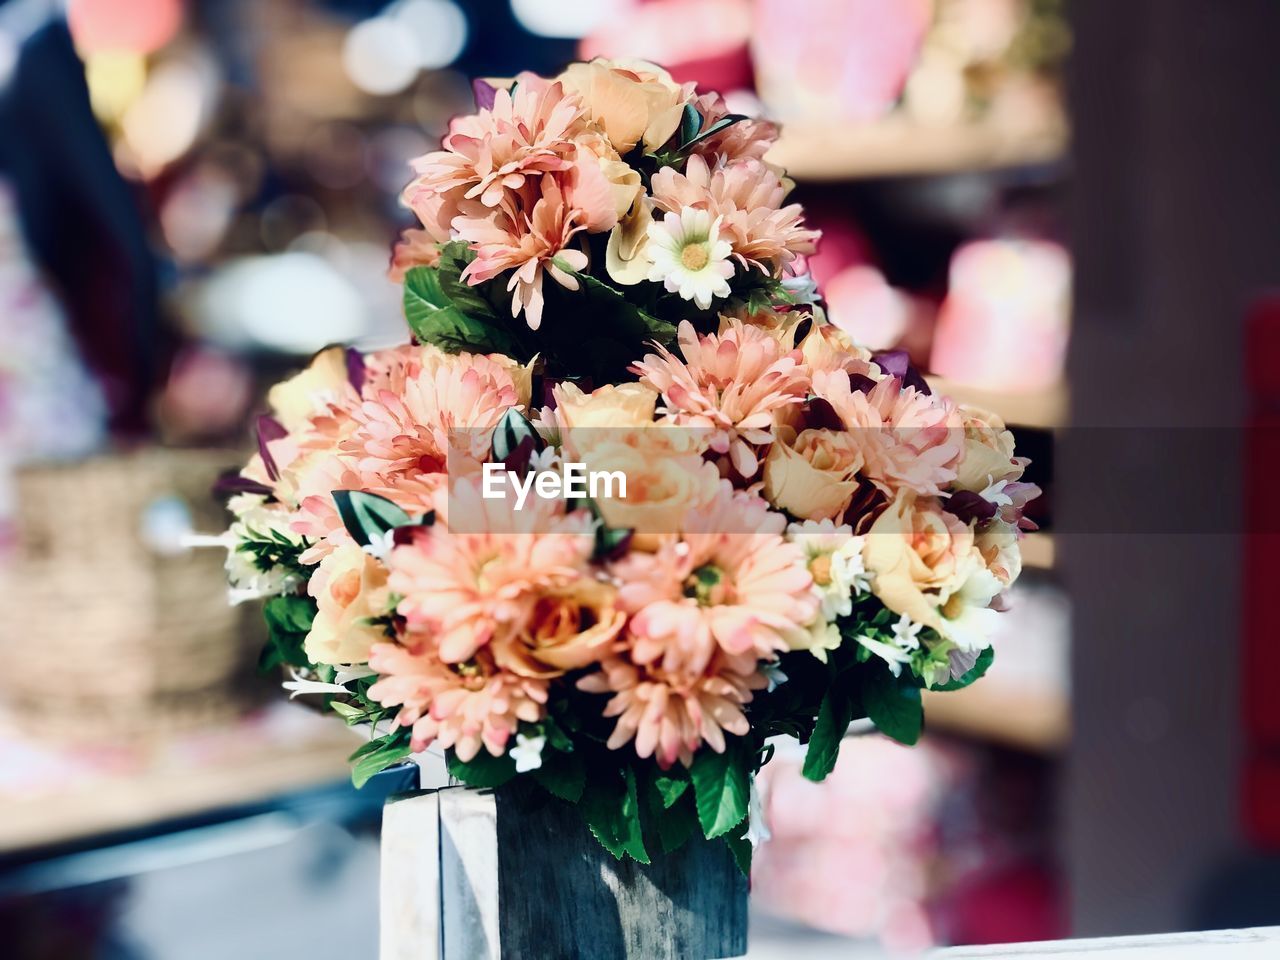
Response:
column 994, row 493
column 689, row 257
column 803, row 288
column 527, row 753
column 758, row 831
column 890, row 654
column 548, row 458
column 380, row 545
column 300, row 686
column 907, row 633
column 773, row 673
column 834, row 557
column 356, row 671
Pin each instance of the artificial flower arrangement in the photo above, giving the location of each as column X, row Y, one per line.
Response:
column 607, row 271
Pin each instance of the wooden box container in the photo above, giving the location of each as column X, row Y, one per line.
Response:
column 475, row 875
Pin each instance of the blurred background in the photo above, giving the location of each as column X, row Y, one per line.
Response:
column 195, row 196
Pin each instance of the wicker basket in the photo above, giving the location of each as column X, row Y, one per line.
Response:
column 112, row 632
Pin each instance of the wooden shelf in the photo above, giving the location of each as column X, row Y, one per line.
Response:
column 897, row 147
column 1043, row 409
column 1038, row 551
column 1000, row 713
column 252, row 770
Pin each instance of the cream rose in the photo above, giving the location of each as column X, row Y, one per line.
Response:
column 632, row 101
column 296, row 400
column 568, row 629
column 812, row 474
column 988, row 451
column 916, row 554
column 608, row 407
column 350, row 589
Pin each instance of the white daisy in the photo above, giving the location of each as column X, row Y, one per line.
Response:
column 834, row 558
column 689, row 257
column 527, row 753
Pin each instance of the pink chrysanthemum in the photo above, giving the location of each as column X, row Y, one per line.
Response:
column 534, row 245
column 409, row 430
column 415, row 248
column 746, row 196
column 731, row 384
column 465, row 588
column 746, row 139
column 527, row 132
column 729, row 583
column 670, row 715
column 908, row 439
column 467, row 706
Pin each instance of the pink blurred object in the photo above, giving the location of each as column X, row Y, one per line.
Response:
column 1004, row 323
column 704, row 41
column 123, row 26
column 862, row 304
column 836, row 59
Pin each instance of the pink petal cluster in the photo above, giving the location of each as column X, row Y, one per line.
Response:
column 731, row 384
column 747, row 197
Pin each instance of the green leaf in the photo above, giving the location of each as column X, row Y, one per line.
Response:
column 513, row 434
column 720, row 789
column 742, row 850
column 723, row 123
column 979, row 668
column 435, row 317
column 288, row 623
column 611, row 808
column 893, row 705
column 482, row 770
column 690, row 124
column 828, row 733
column 674, row 825
column 367, row 515
column 671, row 787
column 376, row 755
column 562, row 775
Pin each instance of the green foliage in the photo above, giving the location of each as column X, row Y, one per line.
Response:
column 367, row 515
column 514, row 440
column 893, row 704
column 378, row 754
column 271, row 549
column 562, row 775
column 837, row 710
column 611, row 807
column 442, row 310
column 482, row 770
column 976, row 672
column 288, row 623
column 720, row 787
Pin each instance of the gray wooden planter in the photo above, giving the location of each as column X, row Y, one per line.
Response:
column 469, row 875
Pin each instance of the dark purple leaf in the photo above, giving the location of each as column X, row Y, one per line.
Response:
column 355, row 369
column 819, row 414
column 968, row 505
column 232, row 482
column 269, row 428
column 484, row 92
column 860, row 383
column 896, row 363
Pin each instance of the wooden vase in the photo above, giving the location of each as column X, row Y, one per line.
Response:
column 478, row 875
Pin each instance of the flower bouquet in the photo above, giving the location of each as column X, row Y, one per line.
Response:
column 788, row 533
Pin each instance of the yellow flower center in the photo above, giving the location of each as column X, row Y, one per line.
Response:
column 820, row 569
column 694, row 256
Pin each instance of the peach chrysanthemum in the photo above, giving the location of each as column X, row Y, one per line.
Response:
column 408, row 430
column 730, row 384
column 465, row 588
column 746, row 139
column 467, row 706
column 908, row 439
column 415, row 248
column 532, row 245
column 670, row 715
column 746, row 196
column 729, row 583
column 527, row 132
